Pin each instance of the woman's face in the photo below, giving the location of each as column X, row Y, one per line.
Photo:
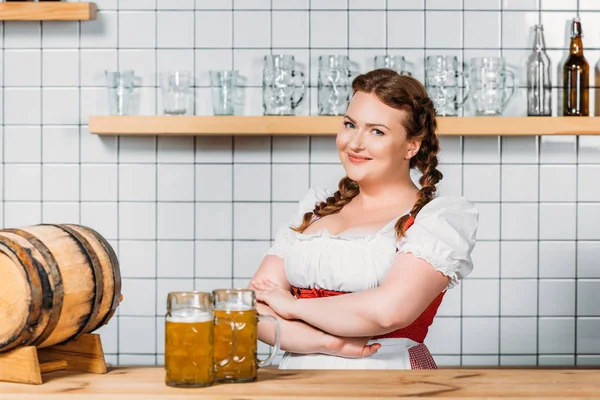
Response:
column 372, row 143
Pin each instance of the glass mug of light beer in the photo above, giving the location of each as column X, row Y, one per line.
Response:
column 189, row 339
column 239, row 306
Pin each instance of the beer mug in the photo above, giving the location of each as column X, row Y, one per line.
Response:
column 284, row 85
column 442, row 75
column 189, row 339
column 490, row 90
column 393, row 62
column 239, row 306
column 334, row 84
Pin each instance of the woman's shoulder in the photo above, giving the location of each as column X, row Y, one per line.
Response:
column 448, row 206
column 311, row 198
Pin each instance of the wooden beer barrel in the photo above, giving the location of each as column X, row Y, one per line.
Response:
column 56, row 282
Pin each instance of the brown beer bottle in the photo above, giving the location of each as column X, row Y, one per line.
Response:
column 576, row 76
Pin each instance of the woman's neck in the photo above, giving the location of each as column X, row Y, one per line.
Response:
column 377, row 196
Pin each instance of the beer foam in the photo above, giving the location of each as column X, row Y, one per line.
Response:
column 228, row 306
column 190, row 316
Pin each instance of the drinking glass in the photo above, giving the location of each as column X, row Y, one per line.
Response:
column 177, row 92
column 284, row 86
column 491, row 92
column 393, row 62
column 334, row 84
column 442, row 76
column 224, row 91
column 119, row 86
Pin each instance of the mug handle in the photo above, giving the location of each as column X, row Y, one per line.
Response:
column 467, row 89
column 513, row 87
column 301, row 89
column 276, row 345
column 233, row 344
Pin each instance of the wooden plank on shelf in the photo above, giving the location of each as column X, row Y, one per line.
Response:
column 326, row 125
column 47, row 11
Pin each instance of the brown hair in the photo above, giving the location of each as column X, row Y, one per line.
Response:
column 403, row 93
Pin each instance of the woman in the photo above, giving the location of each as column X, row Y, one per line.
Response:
column 357, row 278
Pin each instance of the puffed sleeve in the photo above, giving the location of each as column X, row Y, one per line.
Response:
column 285, row 236
column 444, row 234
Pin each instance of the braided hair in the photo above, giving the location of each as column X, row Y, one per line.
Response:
column 403, row 93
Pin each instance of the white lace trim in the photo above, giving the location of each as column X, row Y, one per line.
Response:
column 436, row 263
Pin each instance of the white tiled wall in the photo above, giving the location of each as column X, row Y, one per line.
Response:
column 196, row 213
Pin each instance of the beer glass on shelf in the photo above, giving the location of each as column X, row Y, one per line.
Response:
column 442, row 81
column 189, row 340
column 284, row 85
column 393, row 62
column 239, row 306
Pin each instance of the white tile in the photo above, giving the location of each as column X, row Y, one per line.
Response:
column 137, row 182
column 249, row 63
column 444, row 336
column 183, row 36
column 144, row 102
column 137, row 258
column 518, row 336
column 175, row 60
column 252, row 221
column 450, row 36
column 22, row 34
column 520, row 182
column 587, row 259
column 367, row 4
column 557, row 297
column 142, row 62
column 290, row 149
column 446, row 360
column 588, row 340
column 214, row 29
column 474, row 329
column 60, row 213
column 137, row 220
column 175, row 149
column 214, row 259
column 252, row 29
column 557, row 259
column 22, row 182
column 282, row 215
column 251, row 182
column 214, row 221
column 588, row 360
column 290, row 4
column 160, row 335
column 520, row 4
column 108, row 335
column 517, row 103
column 61, row 68
column 486, row 260
column 208, row 285
column 101, row 32
column 211, row 59
column 557, row 335
column 165, row 286
column 106, row 4
column 137, row 149
column 450, row 150
column 22, row 106
column 253, row 103
column 58, row 106
column 175, row 221
column 247, row 256
column 102, row 217
column 328, row 29
column 137, row 359
column 444, row 4
column 519, row 259
column 558, row 38
column 137, row 29
column 517, row 28
column 326, row 176
column 406, row 29
column 140, row 302
column 22, row 67
column 99, row 182
column 452, row 304
column 482, row 182
column 481, row 29
column 368, row 29
column 588, row 216
column 519, row 221
column 558, row 183
column 587, row 190
column 480, row 297
column 489, row 221
column 290, row 21
column 137, row 335
column 481, row 150
column 95, row 148
column 324, row 150
column 60, row 183
column 175, row 5
column 251, row 149
column 175, row 259
column 480, row 5
column 589, row 149
column 60, row 34
column 558, row 149
column 328, row 4
column 452, row 183
column 518, row 297
column 550, row 213
column 214, row 182
column 559, row 4
column 551, row 360
column 587, row 297
column 93, row 101
column 22, row 144
column 251, row 4
column 282, row 176
column 589, row 5
column 406, row 4
column 93, row 64
column 175, row 182
column 22, row 214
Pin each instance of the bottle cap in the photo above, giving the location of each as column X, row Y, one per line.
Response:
column 576, row 27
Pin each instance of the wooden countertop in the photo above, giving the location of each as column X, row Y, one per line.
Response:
column 148, row 383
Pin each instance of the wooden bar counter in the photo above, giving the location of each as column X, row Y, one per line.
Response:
column 136, row 383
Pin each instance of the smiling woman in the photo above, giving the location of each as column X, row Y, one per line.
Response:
column 357, row 276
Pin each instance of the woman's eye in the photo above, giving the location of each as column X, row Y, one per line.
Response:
column 349, row 125
column 378, row 132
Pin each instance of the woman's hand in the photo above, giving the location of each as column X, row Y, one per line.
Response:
column 280, row 300
column 355, row 347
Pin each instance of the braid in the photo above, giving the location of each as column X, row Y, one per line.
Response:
column 347, row 190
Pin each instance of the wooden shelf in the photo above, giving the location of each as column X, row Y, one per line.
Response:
column 47, row 11
column 321, row 125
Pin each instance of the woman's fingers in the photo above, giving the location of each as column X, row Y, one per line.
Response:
column 370, row 349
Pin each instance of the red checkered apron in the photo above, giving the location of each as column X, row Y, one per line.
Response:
column 420, row 357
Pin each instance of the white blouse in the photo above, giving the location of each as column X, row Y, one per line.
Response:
column 443, row 234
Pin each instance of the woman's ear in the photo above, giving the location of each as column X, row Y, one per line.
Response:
column 412, row 149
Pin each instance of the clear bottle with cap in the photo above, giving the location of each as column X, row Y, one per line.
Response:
column 539, row 80
column 576, row 76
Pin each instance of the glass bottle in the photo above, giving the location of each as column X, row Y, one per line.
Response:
column 576, row 76
column 539, row 96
